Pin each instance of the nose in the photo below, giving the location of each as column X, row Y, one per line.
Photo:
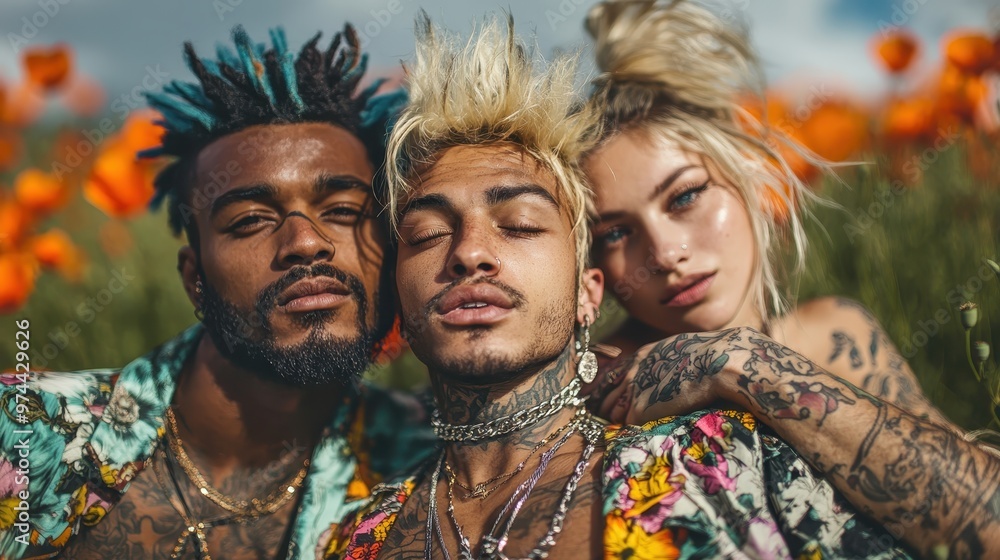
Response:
column 303, row 242
column 472, row 255
column 668, row 249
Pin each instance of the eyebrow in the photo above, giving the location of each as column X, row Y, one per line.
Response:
column 500, row 194
column 664, row 185
column 433, row 201
column 324, row 184
column 333, row 183
column 253, row 192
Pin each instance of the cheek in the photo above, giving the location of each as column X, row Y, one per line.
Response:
column 408, row 275
column 233, row 272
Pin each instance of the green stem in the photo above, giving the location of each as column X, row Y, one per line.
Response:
column 968, row 355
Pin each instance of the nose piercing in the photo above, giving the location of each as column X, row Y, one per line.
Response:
column 684, row 246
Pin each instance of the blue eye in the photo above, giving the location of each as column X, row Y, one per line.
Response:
column 612, row 237
column 688, row 197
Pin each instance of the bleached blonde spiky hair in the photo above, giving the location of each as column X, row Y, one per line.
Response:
column 486, row 91
column 675, row 71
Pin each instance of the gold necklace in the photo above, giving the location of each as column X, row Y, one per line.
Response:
column 252, row 509
column 195, row 529
column 482, row 490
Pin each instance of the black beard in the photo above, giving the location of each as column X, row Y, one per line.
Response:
column 246, row 338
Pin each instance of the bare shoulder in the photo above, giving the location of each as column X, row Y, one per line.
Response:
column 818, row 327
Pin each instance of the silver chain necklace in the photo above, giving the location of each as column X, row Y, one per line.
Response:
column 492, row 545
column 511, row 423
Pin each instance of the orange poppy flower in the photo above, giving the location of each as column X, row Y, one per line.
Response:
column 959, row 95
column 836, row 130
column 895, row 49
column 17, row 280
column 48, row 67
column 908, row 119
column 56, row 251
column 119, row 185
column 40, row 192
column 22, row 105
column 970, row 52
column 775, row 204
column 140, row 132
column 391, row 346
column 15, row 222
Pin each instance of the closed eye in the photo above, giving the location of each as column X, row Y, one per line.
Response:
column 522, row 230
column 427, row 236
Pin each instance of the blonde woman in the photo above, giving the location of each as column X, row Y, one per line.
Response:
column 687, row 189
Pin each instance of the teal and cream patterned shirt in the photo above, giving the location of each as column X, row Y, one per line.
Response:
column 83, row 436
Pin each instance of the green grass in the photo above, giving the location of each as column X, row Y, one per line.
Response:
column 899, row 252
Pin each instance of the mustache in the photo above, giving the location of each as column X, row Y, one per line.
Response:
column 516, row 297
column 267, row 299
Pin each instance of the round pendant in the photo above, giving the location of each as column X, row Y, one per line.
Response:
column 587, row 368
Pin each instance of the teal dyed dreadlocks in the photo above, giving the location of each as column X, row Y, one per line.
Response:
column 254, row 86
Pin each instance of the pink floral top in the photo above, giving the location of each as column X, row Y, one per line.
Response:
column 707, row 485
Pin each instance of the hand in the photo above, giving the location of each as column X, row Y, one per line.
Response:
column 677, row 375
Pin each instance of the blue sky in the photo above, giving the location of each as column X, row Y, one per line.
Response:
column 118, row 41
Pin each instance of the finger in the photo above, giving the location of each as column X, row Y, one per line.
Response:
column 611, row 400
column 619, row 413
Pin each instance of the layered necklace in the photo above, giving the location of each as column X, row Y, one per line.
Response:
column 238, row 510
column 493, row 542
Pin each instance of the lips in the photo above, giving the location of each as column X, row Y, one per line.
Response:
column 474, row 305
column 313, row 294
column 689, row 290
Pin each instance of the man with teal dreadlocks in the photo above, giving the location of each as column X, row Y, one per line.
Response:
column 250, row 441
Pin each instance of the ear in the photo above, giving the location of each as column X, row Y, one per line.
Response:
column 187, row 266
column 591, row 294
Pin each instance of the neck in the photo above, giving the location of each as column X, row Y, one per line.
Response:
column 471, row 404
column 234, row 419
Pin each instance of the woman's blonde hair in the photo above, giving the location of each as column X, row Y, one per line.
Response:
column 491, row 90
column 675, row 71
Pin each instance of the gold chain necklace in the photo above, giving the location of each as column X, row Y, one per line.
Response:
column 252, row 509
column 482, row 490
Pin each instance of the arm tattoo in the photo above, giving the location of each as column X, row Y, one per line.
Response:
column 669, row 365
column 841, row 342
column 922, row 482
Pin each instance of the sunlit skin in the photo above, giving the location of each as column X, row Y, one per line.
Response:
column 674, row 241
column 490, row 291
column 321, row 172
column 677, row 249
column 449, row 231
column 301, row 197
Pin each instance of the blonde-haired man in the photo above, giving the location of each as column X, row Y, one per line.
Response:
column 488, row 206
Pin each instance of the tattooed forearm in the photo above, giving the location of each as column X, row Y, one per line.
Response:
column 923, row 483
column 671, row 365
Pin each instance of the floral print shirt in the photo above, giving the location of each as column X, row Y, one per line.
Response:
column 83, row 436
column 708, row 485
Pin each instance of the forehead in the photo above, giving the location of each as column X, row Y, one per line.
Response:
column 462, row 172
column 284, row 154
